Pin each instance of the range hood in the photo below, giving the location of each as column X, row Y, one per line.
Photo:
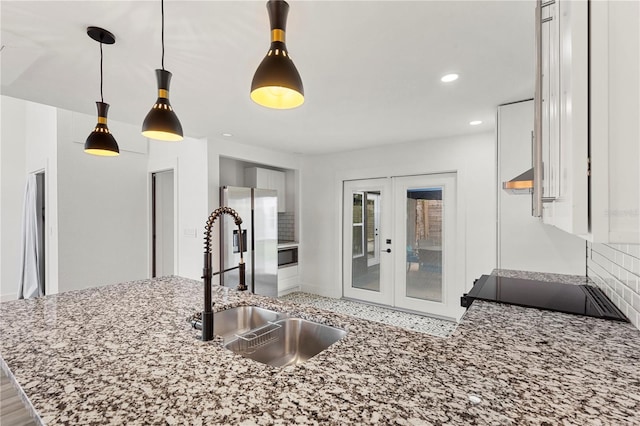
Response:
column 521, row 184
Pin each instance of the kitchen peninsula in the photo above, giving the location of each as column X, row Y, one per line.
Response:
column 125, row 354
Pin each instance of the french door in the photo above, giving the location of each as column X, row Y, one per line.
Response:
column 367, row 265
column 414, row 221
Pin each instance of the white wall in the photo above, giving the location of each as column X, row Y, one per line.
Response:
column 42, row 155
column 102, row 206
column 12, row 182
column 232, row 172
column 472, row 157
column 28, row 146
column 188, row 160
column 524, row 242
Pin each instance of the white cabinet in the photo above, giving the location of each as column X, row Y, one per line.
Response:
column 550, row 93
column 288, row 280
column 564, row 61
column 614, row 126
column 592, row 187
column 257, row 177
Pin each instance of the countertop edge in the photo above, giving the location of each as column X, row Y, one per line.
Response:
column 23, row 397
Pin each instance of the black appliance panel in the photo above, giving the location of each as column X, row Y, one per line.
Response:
column 567, row 298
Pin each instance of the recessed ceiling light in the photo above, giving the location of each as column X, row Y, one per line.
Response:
column 227, row 135
column 475, row 122
column 449, row 78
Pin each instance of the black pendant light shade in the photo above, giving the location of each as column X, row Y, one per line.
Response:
column 161, row 122
column 100, row 140
column 277, row 83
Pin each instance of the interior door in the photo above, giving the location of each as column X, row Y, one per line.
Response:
column 425, row 222
column 367, row 208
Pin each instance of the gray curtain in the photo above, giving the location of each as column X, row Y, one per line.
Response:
column 30, row 284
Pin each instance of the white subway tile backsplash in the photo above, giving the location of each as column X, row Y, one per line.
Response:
column 615, row 269
column 618, row 258
column 623, row 276
column 286, row 226
column 627, row 295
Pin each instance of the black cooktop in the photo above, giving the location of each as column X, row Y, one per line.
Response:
column 568, row 298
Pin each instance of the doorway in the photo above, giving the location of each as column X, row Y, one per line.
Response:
column 411, row 264
column 41, row 214
column 162, row 224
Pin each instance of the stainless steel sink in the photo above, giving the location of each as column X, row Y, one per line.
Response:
column 240, row 320
column 285, row 342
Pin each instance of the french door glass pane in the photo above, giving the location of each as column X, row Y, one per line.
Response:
column 371, row 228
column 424, row 243
column 364, row 276
column 357, row 240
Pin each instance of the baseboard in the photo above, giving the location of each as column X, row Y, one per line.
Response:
column 321, row 291
column 286, row 291
column 8, row 296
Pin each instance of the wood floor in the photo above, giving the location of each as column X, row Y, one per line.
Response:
column 12, row 410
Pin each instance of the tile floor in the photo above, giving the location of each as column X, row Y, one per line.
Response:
column 419, row 323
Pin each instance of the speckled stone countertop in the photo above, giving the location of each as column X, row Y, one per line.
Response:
column 124, row 354
column 543, row 276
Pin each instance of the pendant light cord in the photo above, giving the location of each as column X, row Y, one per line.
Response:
column 162, row 13
column 101, row 96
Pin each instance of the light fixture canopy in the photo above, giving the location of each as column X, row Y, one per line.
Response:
column 277, row 83
column 100, row 141
column 161, row 123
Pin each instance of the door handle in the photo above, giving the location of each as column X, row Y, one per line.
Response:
column 385, row 251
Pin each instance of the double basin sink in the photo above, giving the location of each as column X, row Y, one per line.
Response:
column 271, row 337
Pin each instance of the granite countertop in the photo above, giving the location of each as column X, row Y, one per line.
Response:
column 125, row 354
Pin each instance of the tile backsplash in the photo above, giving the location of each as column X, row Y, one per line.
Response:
column 286, row 224
column 615, row 268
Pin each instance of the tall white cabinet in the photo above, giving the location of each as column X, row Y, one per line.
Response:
column 614, row 97
column 590, row 113
column 565, row 114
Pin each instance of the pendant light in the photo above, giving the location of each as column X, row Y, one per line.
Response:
column 101, row 141
column 276, row 83
column 161, row 123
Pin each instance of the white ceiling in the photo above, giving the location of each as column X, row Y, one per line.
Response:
column 371, row 69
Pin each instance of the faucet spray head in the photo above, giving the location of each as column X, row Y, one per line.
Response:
column 242, row 285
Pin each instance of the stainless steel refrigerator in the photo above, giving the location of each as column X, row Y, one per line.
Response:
column 258, row 209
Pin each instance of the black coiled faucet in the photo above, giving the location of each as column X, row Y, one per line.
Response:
column 207, row 273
